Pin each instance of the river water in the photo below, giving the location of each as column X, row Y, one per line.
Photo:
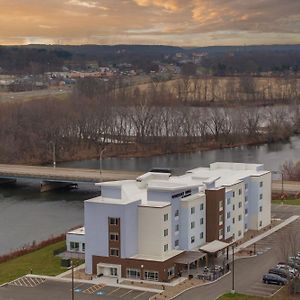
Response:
column 27, row 215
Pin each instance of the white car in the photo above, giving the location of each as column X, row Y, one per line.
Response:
column 288, row 268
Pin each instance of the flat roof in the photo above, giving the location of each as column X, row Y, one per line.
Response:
column 164, row 257
column 80, row 231
column 214, row 246
column 189, row 257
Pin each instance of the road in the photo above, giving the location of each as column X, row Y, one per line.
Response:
column 288, row 186
column 63, row 174
column 249, row 271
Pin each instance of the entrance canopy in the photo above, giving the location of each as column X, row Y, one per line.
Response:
column 215, row 246
column 189, row 257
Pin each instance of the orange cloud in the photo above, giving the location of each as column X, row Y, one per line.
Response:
column 170, row 5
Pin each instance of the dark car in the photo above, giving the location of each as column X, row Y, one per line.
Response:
column 281, row 273
column 274, row 279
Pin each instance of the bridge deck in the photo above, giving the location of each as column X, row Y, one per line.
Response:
column 63, row 174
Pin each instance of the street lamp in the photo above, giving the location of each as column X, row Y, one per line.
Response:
column 100, row 161
column 53, row 154
column 72, row 266
column 232, row 288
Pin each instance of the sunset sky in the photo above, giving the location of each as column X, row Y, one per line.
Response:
column 172, row 22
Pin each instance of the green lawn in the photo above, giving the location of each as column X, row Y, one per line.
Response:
column 41, row 262
column 237, row 296
column 287, row 201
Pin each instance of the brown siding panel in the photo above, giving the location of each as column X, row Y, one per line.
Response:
column 213, row 197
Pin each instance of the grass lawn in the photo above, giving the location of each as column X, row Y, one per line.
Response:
column 41, row 262
column 287, row 201
column 238, row 296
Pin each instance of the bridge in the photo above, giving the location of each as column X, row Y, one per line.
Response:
column 54, row 178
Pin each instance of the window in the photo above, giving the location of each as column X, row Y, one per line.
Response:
column 220, row 219
column 201, row 235
column 201, row 221
column 220, row 205
column 166, row 231
column 246, row 226
column 192, row 239
column 151, row 275
column 83, row 247
column 176, row 213
column 176, row 243
column 114, row 236
column 228, row 201
column 201, row 206
column 133, row 273
column 239, row 233
column 177, row 227
column 228, row 228
column 166, row 247
column 220, row 234
column 246, row 211
column 240, row 217
column 246, row 199
column 114, row 252
column 113, row 221
column 192, row 225
column 171, row 272
column 74, row 246
column 166, row 217
column 192, row 210
column 233, row 207
column 260, row 208
column 260, row 223
column 246, row 186
column 233, row 194
column 261, row 184
column 233, row 220
column 228, row 215
column 240, row 191
column 113, row 272
column 240, row 204
column 260, row 196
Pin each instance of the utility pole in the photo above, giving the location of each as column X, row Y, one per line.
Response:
column 232, row 288
column 72, row 266
column 100, row 161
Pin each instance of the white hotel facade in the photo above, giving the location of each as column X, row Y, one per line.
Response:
column 144, row 228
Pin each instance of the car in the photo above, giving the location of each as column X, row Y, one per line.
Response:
column 287, row 268
column 281, row 273
column 274, row 279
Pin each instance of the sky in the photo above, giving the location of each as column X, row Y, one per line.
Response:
column 169, row 22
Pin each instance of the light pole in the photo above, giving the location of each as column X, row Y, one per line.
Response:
column 100, row 161
column 232, row 288
column 72, row 266
column 53, row 154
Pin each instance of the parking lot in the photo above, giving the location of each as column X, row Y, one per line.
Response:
column 28, row 288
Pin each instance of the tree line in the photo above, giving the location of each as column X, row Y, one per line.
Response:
column 132, row 121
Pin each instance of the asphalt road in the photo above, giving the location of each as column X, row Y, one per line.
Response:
column 288, row 186
column 64, row 174
column 249, row 271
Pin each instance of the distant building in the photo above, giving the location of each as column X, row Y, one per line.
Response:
column 148, row 227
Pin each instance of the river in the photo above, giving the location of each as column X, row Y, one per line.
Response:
column 27, row 215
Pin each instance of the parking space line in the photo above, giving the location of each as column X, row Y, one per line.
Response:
column 143, row 293
column 128, row 292
column 113, row 291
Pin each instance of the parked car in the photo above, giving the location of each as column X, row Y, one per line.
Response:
column 274, row 279
column 281, row 273
column 288, row 268
column 294, row 264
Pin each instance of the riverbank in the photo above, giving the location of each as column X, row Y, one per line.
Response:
column 159, row 147
column 42, row 262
